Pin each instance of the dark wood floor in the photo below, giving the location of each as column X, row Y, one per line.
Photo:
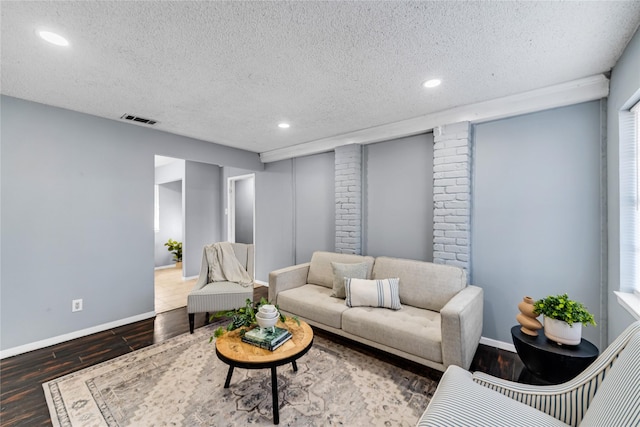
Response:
column 22, row 401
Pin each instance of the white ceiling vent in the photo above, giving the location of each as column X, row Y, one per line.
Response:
column 138, row 119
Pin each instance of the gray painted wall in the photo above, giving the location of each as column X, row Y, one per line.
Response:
column 77, row 199
column 170, row 172
column 170, row 206
column 202, row 210
column 274, row 218
column 314, row 205
column 289, row 227
column 244, row 210
column 398, row 198
column 624, row 89
column 536, row 212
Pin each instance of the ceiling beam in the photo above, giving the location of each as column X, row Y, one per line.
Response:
column 573, row 92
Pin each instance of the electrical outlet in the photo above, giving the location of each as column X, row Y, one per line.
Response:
column 76, row 305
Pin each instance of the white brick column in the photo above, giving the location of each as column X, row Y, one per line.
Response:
column 348, row 191
column 452, row 195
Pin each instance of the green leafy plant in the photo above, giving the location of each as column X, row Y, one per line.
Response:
column 175, row 248
column 560, row 307
column 243, row 317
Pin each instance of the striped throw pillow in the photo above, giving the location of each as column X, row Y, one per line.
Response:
column 373, row 293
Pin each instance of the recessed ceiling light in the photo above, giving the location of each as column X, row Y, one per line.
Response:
column 53, row 38
column 284, row 125
column 432, row 83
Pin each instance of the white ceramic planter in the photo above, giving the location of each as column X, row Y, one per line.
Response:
column 561, row 332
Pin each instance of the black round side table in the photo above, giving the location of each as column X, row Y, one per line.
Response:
column 550, row 362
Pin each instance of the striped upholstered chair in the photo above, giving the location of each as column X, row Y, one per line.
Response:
column 607, row 393
column 211, row 297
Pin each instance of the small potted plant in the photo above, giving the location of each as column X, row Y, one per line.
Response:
column 176, row 249
column 243, row 317
column 563, row 318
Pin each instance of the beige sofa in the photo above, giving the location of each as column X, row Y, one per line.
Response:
column 439, row 324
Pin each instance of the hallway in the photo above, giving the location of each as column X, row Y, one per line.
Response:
column 170, row 289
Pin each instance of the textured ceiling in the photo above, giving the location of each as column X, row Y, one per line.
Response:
column 228, row 72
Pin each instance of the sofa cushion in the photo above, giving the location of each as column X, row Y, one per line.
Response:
column 373, row 293
column 313, row 302
column 460, row 402
column 617, row 401
column 411, row 329
column 422, row 284
column 321, row 272
column 342, row 271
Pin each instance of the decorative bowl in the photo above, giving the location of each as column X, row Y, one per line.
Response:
column 268, row 308
column 266, row 323
column 267, row 315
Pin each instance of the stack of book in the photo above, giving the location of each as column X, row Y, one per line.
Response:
column 268, row 338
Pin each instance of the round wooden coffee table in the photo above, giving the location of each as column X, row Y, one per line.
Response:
column 237, row 354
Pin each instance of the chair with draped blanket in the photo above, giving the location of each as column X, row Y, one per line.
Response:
column 225, row 281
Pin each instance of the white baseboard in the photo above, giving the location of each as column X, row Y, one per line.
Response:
column 260, row 282
column 189, row 278
column 498, row 344
column 73, row 335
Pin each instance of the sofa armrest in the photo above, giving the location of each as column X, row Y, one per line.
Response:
column 287, row 278
column 461, row 326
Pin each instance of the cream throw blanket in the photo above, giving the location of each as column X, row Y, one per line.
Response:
column 224, row 266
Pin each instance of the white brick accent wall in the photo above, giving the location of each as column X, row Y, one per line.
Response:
column 452, row 195
column 348, row 182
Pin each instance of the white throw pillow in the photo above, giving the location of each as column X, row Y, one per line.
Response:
column 373, row 293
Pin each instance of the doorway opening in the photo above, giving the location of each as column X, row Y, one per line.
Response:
column 170, row 286
column 241, row 213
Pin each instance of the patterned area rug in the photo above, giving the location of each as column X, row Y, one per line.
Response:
column 180, row 382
